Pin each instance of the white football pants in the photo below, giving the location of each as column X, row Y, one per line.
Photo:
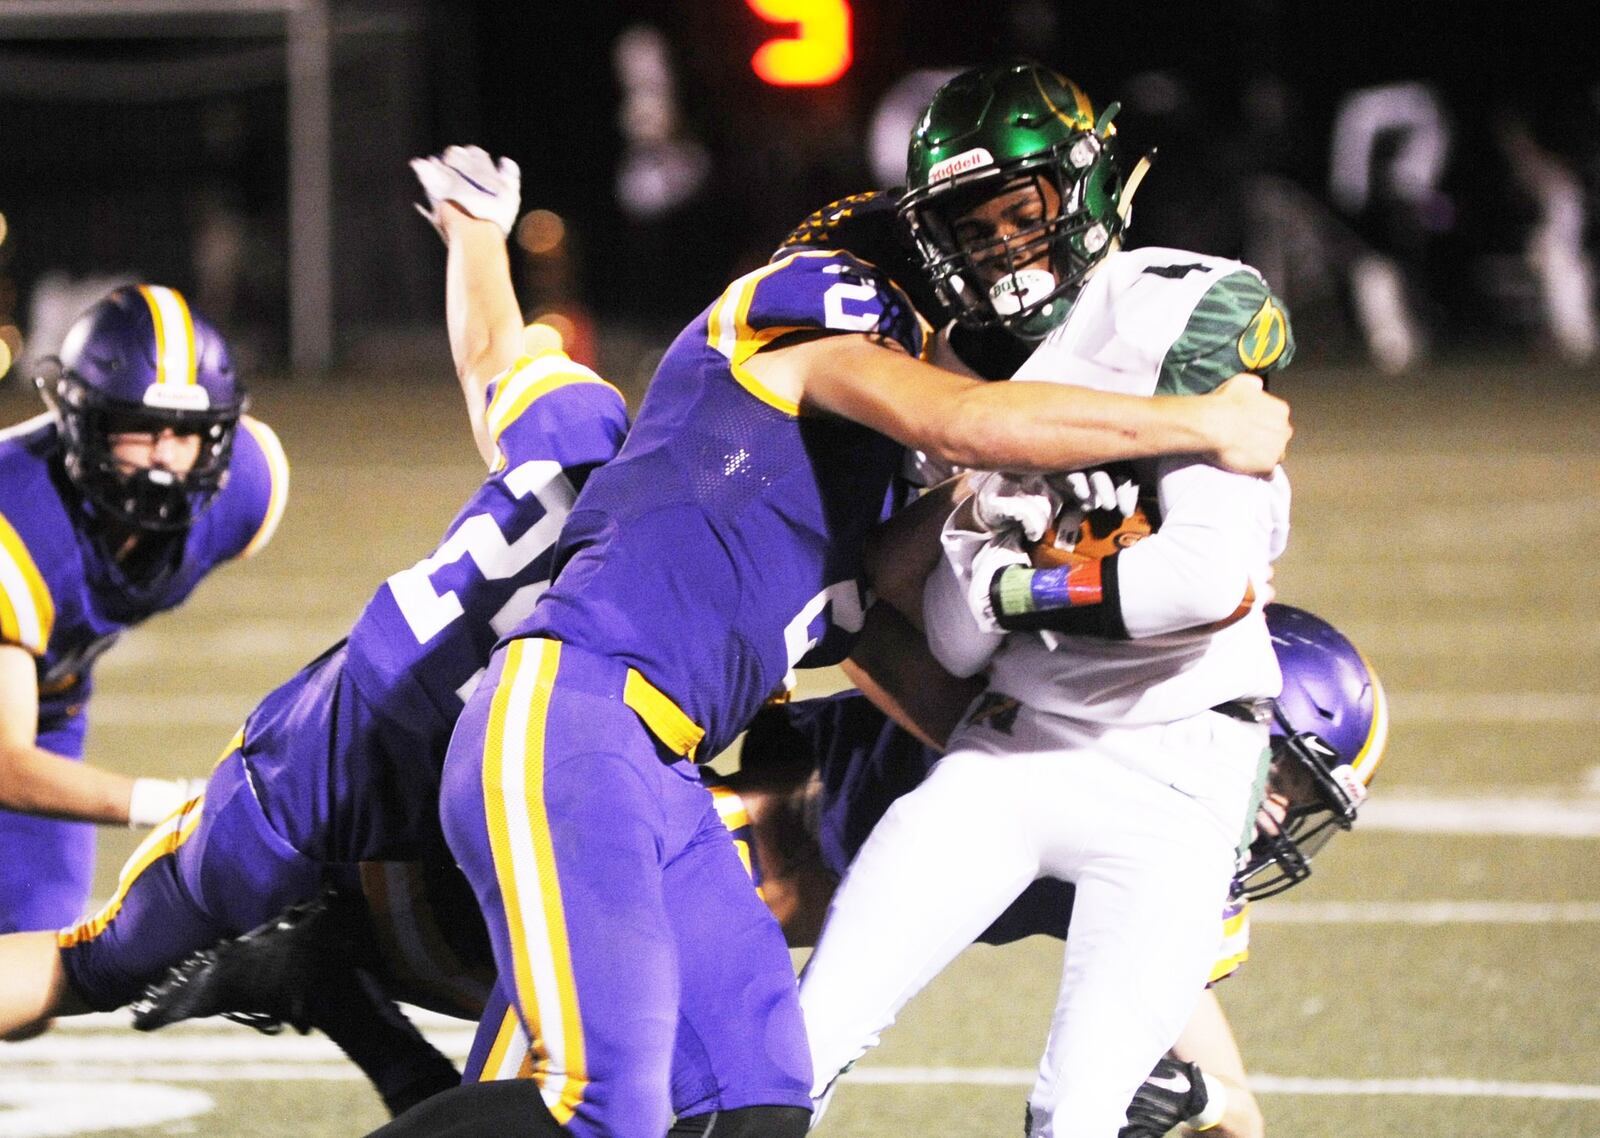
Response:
column 1146, row 821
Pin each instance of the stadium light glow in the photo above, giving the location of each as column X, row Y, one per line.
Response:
column 541, row 231
column 550, row 331
column 818, row 52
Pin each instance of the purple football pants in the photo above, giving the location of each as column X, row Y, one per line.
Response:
column 319, row 779
column 641, row 963
column 46, row 865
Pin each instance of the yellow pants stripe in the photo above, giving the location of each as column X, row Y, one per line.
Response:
column 162, row 841
column 524, row 858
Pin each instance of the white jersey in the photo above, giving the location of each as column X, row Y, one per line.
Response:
column 1150, row 321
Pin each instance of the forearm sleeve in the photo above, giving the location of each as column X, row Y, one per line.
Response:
column 1218, row 532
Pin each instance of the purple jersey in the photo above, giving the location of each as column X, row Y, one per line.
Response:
column 63, row 597
column 425, row 636
column 722, row 547
column 341, row 763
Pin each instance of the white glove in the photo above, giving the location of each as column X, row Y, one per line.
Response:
column 467, row 177
column 155, row 799
column 995, row 555
column 1004, row 503
column 1094, row 490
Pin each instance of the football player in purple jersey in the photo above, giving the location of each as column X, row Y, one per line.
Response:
column 341, row 763
column 142, row 477
column 719, row 551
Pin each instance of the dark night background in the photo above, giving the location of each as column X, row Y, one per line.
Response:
column 147, row 156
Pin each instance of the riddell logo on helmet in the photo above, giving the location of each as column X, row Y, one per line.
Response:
column 960, row 164
column 177, row 397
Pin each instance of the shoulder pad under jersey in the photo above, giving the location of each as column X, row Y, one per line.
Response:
column 549, row 407
column 252, row 502
column 1230, row 320
column 811, row 290
column 34, row 536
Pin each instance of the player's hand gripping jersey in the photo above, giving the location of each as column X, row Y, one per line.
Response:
column 722, row 547
column 1148, row 596
column 62, row 595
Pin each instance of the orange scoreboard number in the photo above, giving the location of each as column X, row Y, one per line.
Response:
column 817, row 53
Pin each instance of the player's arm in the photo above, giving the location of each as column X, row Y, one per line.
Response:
column 902, row 551
column 891, row 663
column 1196, row 571
column 472, row 202
column 1021, row 426
column 892, row 666
column 1208, row 1041
column 36, row 781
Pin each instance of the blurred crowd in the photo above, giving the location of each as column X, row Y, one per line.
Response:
column 1429, row 187
column 1402, row 222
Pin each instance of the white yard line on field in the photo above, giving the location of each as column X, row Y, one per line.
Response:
column 24, row 1079
column 1426, row 913
column 1267, row 1084
column 1498, row 816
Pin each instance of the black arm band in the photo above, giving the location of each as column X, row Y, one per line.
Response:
column 1101, row 618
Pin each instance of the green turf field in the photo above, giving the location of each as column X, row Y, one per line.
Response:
column 1440, row 975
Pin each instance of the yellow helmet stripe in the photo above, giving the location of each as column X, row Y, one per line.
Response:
column 1081, row 117
column 1370, row 756
column 27, row 612
column 175, row 347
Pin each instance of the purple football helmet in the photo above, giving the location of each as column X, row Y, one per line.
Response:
column 141, row 360
column 1328, row 735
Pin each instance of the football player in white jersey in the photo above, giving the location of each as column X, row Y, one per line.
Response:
column 1121, row 741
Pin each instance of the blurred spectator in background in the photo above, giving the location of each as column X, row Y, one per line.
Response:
column 1552, row 254
column 1388, row 152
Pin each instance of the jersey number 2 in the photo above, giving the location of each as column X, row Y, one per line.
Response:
column 479, row 537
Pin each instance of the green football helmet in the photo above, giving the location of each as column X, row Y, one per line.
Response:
column 1020, row 129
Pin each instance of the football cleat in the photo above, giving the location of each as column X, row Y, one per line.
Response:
column 261, row 979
